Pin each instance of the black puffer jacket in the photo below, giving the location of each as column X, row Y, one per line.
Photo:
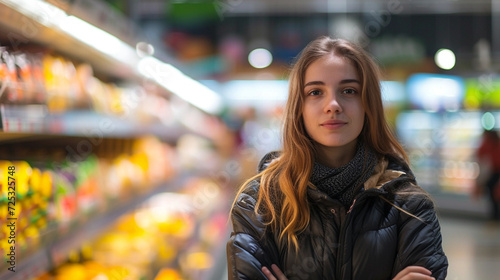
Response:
column 372, row 240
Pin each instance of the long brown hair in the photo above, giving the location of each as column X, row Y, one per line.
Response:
column 282, row 197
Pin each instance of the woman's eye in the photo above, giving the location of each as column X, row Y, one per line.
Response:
column 349, row 91
column 314, row 92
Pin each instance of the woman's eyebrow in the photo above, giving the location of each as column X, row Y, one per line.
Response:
column 314, row 83
column 320, row 83
column 347, row 81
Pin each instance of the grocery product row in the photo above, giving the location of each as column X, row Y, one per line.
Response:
column 153, row 242
column 43, row 77
column 56, row 203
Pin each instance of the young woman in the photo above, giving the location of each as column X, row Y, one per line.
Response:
column 339, row 201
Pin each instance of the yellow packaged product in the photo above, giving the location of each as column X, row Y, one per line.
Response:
column 115, row 99
column 35, row 180
column 46, row 184
column 32, row 235
column 168, row 274
column 119, row 273
column 3, row 211
column 54, row 73
column 4, row 178
column 94, row 269
column 23, row 174
column 71, row 271
column 41, row 223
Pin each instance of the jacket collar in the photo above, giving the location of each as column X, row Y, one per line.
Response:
column 267, row 159
column 381, row 175
column 387, row 171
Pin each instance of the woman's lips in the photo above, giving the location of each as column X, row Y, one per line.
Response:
column 333, row 124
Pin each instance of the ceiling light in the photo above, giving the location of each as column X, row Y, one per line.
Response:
column 260, row 58
column 445, row 59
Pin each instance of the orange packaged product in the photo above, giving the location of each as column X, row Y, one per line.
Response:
column 26, row 84
column 40, row 92
column 11, row 91
column 84, row 74
column 3, row 73
column 56, row 84
column 168, row 274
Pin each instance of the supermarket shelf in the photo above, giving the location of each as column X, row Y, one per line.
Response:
column 56, row 252
column 37, row 29
column 42, row 32
column 92, row 32
column 19, row 122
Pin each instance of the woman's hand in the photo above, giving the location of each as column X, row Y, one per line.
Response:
column 409, row 273
column 276, row 271
column 414, row 273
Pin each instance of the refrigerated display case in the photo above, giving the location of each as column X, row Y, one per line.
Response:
column 441, row 134
column 442, row 149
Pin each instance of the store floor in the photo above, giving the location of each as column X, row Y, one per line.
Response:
column 472, row 247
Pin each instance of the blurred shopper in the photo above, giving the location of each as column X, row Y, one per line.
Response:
column 488, row 155
column 339, row 201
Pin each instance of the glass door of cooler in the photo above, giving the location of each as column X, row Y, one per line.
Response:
column 442, row 149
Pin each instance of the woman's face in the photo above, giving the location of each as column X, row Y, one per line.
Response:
column 333, row 112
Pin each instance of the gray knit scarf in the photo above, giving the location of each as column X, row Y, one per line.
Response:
column 344, row 182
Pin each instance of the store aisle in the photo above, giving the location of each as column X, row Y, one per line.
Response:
column 473, row 248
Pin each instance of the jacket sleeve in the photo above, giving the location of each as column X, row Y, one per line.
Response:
column 420, row 239
column 249, row 247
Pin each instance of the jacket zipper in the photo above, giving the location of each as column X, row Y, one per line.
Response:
column 343, row 230
column 352, row 205
column 343, row 227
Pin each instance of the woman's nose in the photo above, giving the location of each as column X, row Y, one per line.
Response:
column 333, row 104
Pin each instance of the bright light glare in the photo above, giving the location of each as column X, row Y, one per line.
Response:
column 488, row 121
column 51, row 16
column 445, row 59
column 260, row 58
column 255, row 90
column 434, row 92
column 41, row 11
column 150, row 67
column 183, row 86
column 98, row 39
column 144, row 49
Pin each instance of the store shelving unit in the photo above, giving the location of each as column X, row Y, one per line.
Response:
column 61, row 240
column 27, row 124
column 33, row 120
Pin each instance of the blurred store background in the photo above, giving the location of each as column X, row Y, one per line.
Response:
column 128, row 125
